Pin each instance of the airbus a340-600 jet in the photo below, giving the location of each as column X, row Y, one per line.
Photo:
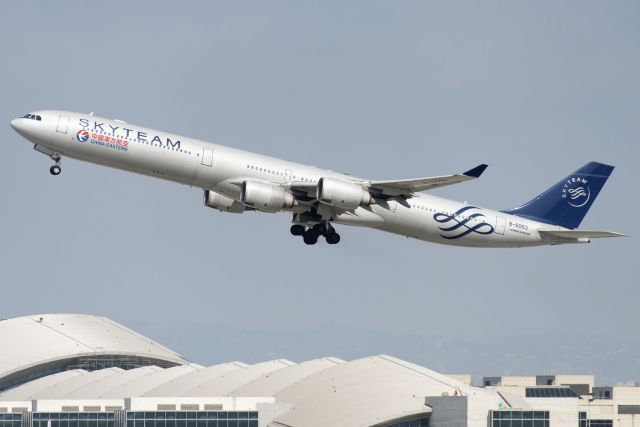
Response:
column 237, row 181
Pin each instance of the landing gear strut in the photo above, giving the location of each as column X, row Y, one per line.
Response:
column 53, row 155
column 330, row 235
column 310, row 235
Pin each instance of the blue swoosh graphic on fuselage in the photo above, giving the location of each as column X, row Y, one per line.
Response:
column 461, row 224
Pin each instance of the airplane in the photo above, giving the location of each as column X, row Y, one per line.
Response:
column 236, row 181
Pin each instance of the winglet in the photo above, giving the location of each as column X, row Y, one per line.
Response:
column 477, row 171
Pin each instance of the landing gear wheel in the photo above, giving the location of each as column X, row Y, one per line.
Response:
column 55, row 170
column 297, row 230
column 332, row 238
column 310, row 237
column 320, row 229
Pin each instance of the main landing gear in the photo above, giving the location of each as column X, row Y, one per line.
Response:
column 310, row 235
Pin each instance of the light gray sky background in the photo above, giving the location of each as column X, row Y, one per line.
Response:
column 378, row 89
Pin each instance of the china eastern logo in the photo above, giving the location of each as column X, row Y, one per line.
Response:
column 576, row 191
column 82, row 135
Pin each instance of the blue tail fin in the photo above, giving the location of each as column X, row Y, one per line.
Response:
column 566, row 203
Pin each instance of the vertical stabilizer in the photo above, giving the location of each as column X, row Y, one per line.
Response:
column 566, row 203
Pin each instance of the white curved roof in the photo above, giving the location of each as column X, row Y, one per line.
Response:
column 28, row 390
column 181, row 385
column 327, row 391
column 270, row 384
column 65, row 388
column 96, row 387
column 226, row 383
column 366, row 392
column 40, row 339
column 139, row 386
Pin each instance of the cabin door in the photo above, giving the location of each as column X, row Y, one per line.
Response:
column 207, row 157
column 63, row 124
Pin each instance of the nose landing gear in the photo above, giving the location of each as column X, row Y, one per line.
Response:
column 55, row 170
column 310, row 235
column 53, row 155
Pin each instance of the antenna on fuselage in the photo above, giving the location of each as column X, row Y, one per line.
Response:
column 91, row 113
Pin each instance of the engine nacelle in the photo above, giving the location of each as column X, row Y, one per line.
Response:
column 343, row 194
column 223, row 203
column 266, row 197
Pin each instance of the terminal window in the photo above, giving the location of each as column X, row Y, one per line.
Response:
column 508, row 418
column 73, row 419
column 138, row 419
column 420, row 421
column 192, row 419
column 629, row 409
column 585, row 422
column 10, row 420
column 88, row 363
column 550, row 392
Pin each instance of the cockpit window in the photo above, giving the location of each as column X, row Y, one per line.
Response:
column 32, row 117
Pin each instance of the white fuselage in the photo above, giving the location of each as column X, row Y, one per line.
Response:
column 218, row 168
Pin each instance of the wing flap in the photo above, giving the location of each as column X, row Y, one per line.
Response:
column 409, row 186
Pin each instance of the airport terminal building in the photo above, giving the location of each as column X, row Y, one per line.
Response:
column 69, row 370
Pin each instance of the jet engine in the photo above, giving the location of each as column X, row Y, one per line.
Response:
column 342, row 194
column 222, row 203
column 266, row 197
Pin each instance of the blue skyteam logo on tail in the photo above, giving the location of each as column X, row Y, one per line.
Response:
column 576, row 191
column 455, row 226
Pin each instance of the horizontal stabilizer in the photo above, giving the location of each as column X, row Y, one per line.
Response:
column 579, row 234
column 409, row 186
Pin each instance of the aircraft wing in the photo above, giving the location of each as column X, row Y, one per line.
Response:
column 306, row 190
column 579, row 234
column 409, row 186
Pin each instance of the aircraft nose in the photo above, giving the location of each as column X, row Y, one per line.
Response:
column 21, row 126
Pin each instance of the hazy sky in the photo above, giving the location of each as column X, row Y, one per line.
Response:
column 379, row 89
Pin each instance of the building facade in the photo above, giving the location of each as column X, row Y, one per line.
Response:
column 87, row 371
